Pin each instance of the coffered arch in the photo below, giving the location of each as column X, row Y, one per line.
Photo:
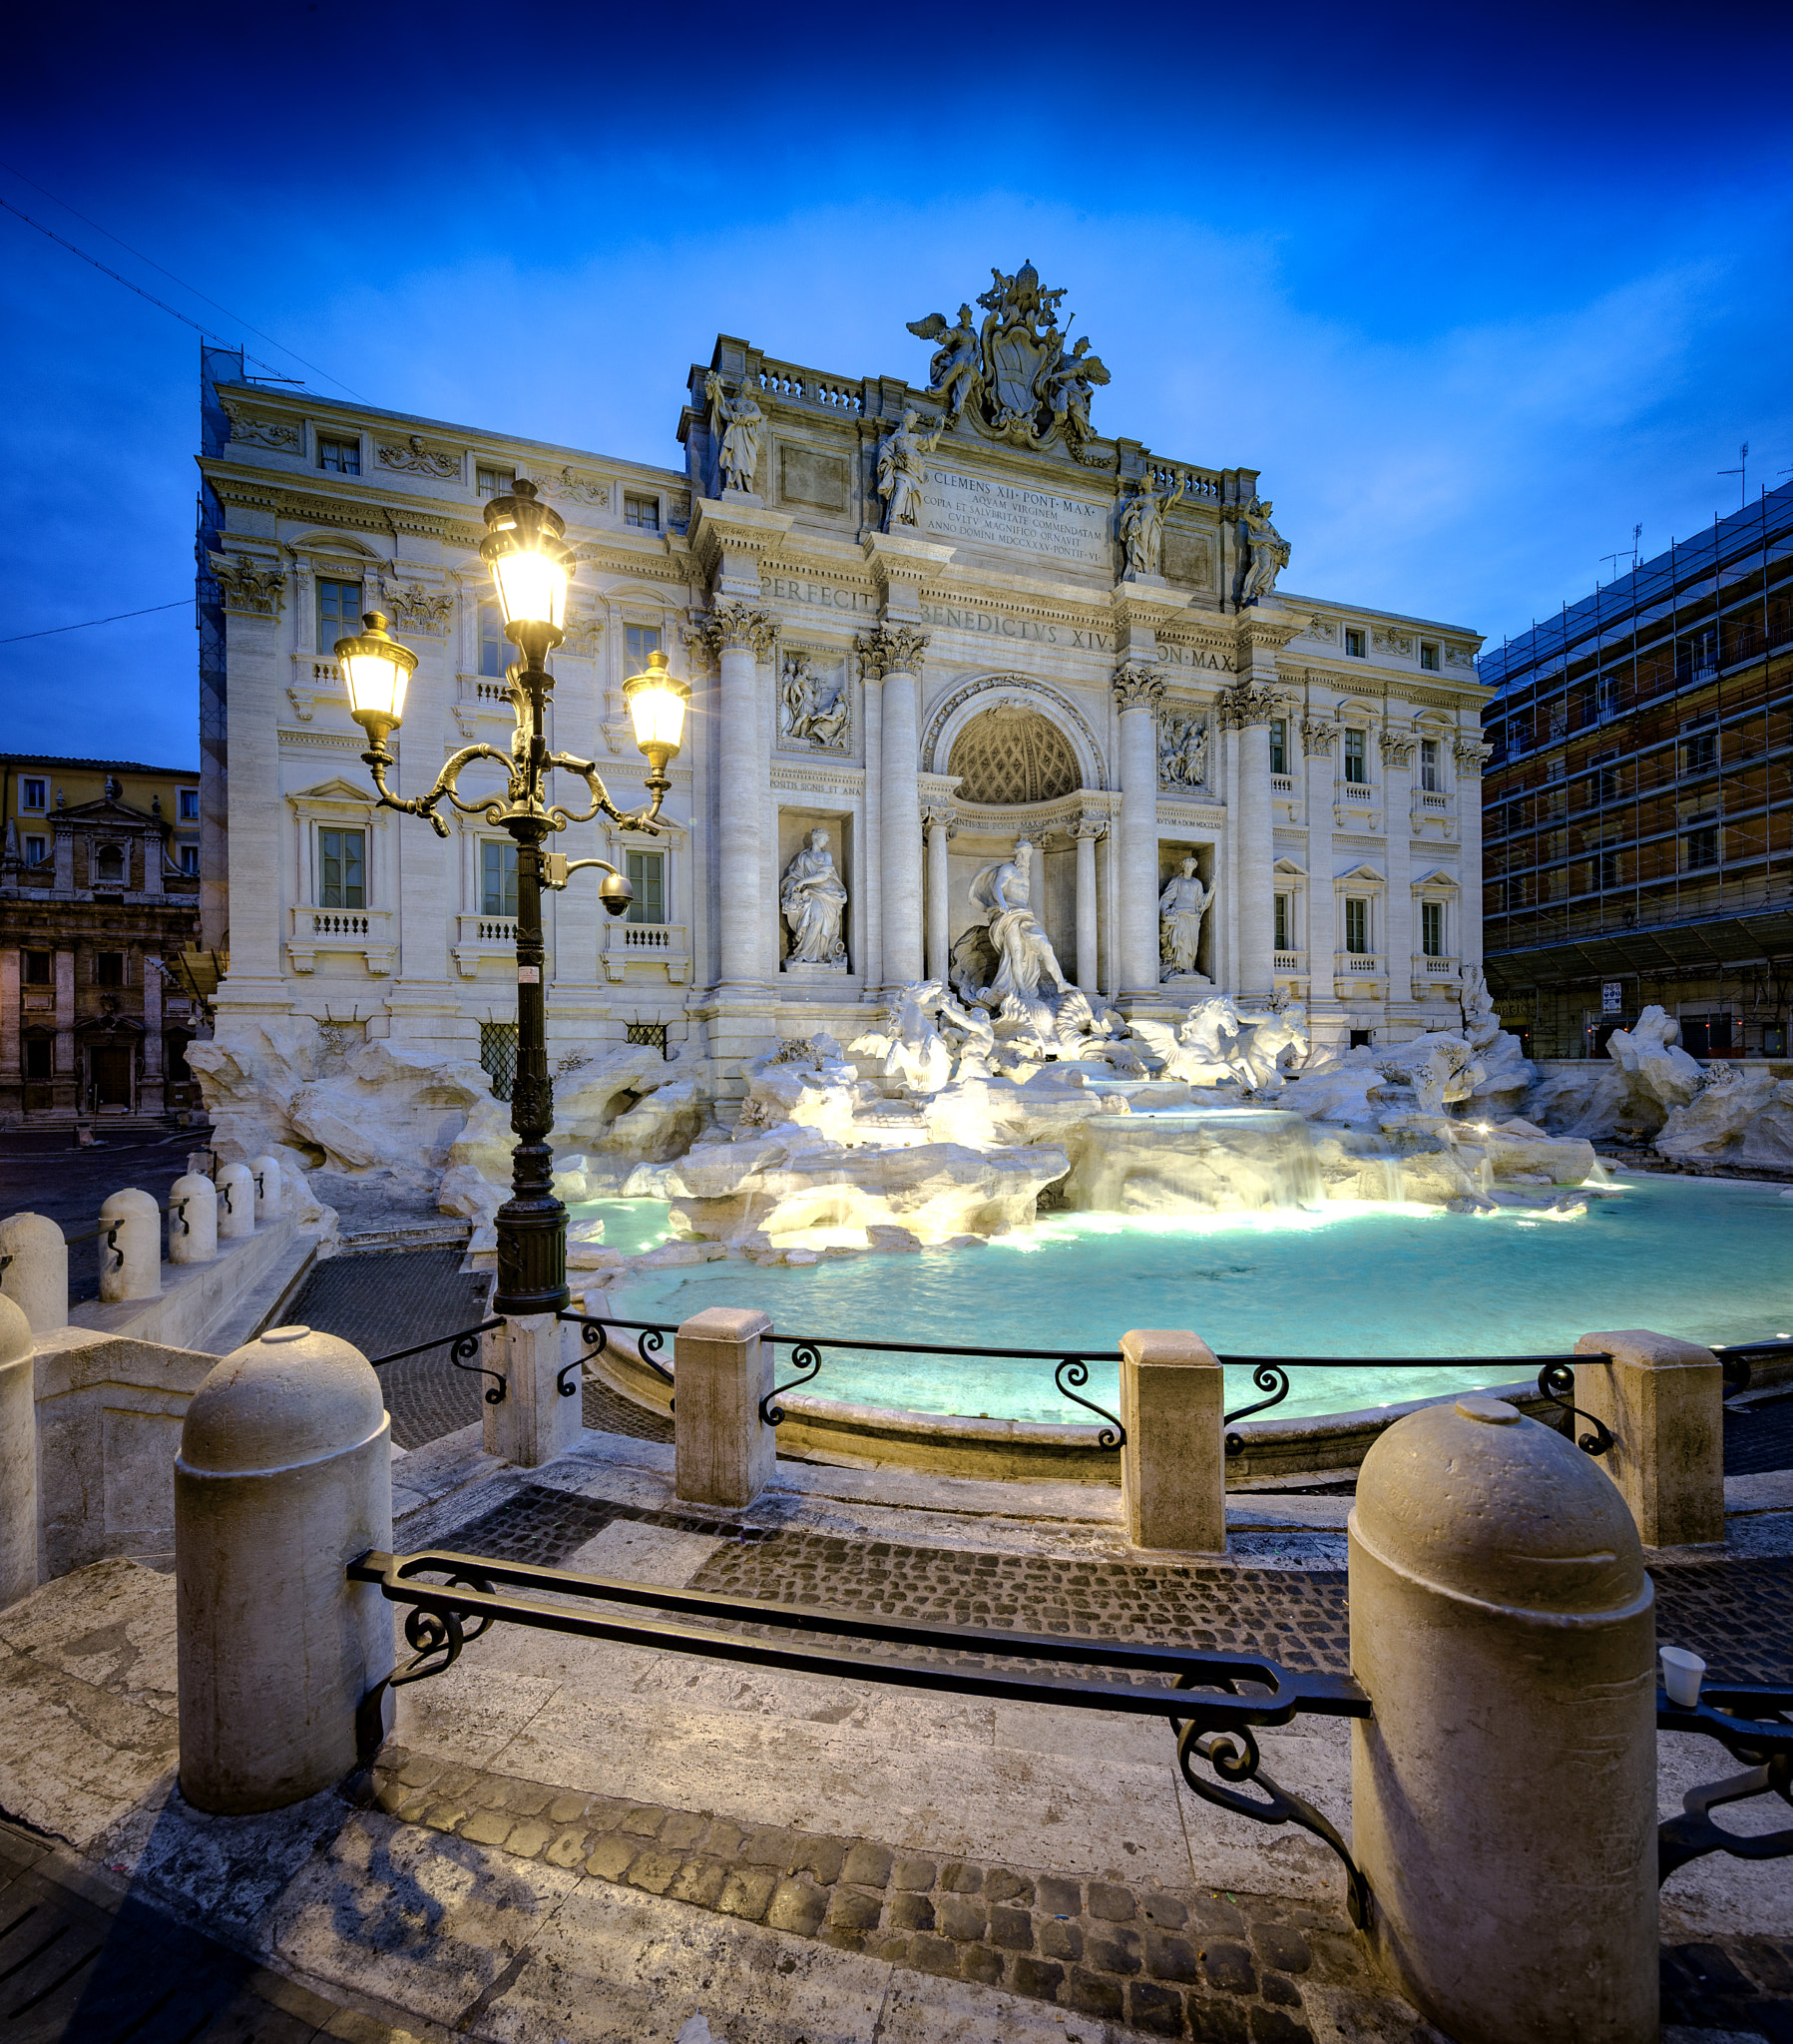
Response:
column 966, row 703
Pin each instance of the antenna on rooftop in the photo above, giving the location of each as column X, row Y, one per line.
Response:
column 1742, row 472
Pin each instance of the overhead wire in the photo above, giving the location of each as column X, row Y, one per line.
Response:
column 149, row 610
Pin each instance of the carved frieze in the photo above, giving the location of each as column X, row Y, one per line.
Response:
column 1383, row 639
column 250, row 588
column 891, row 650
column 254, row 432
column 574, row 486
column 412, row 457
column 1461, row 656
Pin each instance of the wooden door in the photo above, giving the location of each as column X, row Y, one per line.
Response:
column 111, row 1066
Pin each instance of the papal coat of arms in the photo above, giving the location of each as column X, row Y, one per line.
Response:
column 1017, row 377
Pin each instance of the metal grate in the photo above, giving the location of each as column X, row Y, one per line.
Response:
column 649, row 1031
column 498, row 1053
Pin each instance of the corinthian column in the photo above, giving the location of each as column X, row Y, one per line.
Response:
column 1085, row 830
column 1398, row 749
column 735, row 635
column 1249, row 708
column 1137, row 689
column 892, row 654
column 939, row 831
column 1470, row 755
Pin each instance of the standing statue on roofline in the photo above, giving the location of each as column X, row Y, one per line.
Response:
column 735, row 424
column 901, row 473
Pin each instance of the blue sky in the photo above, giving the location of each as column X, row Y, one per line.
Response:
column 1476, row 290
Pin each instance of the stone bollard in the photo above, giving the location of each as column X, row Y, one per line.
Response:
column 34, row 1269
column 191, row 1219
column 723, row 1452
column 236, row 1185
column 130, row 1247
column 537, row 1355
column 18, row 1456
column 1663, row 1401
column 1174, row 1462
column 1504, row 1795
column 284, row 1476
column 271, row 1189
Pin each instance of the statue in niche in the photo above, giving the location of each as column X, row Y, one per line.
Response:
column 956, row 373
column 901, row 473
column 1182, row 751
column 1143, row 526
column 1182, row 907
column 812, row 711
column 1003, row 894
column 813, row 899
column 1269, row 552
column 735, row 423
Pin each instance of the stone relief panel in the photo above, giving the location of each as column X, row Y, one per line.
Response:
column 815, row 704
column 255, row 433
column 412, row 457
column 1183, row 750
column 1461, row 656
column 1009, row 754
column 572, row 486
column 1382, row 640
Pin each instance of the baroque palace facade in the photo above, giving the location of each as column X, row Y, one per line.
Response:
column 920, row 624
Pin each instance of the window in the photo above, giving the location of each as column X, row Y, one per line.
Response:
column 1282, row 922
column 109, row 968
column 37, row 968
column 31, row 794
column 338, row 613
column 1429, row 655
column 1362, row 1039
column 1356, row 770
column 37, row 850
column 652, row 1034
column 37, row 1057
column 1279, row 744
column 640, row 641
column 496, row 877
column 1353, row 643
column 1700, row 848
column 1357, row 924
column 495, row 651
column 1605, row 783
column 648, row 876
column 339, row 457
column 495, row 482
column 341, row 868
column 190, row 805
column 498, row 1053
column 189, row 858
column 1431, row 928
column 1610, row 870
column 641, row 511
column 1699, row 751
column 1607, row 697
column 1429, row 765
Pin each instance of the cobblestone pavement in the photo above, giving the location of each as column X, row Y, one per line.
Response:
column 1233, row 1969
column 47, row 1175
column 539, row 1527
column 1758, row 1438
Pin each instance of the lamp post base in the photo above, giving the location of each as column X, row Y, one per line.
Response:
column 532, row 1257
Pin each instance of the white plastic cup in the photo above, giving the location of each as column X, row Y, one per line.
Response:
column 1683, row 1674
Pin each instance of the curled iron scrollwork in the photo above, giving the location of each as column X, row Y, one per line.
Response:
column 1233, row 1754
column 464, row 1348
column 1754, row 1724
column 806, row 1357
column 649, row 1342
column 1267, row 1376
column 1557, row 1383
column 435, row 1638
column 1072, row 1369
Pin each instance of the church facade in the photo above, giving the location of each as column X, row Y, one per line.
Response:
column 923, row 623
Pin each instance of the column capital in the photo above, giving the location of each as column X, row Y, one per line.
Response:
column 1397, row 747
column 936, row 817
column 1248, row 703
column 1471, row 756
column 1317, row 736
column 891, row 650
column 1088, row 826
column 1138, row 685
column 730, row 626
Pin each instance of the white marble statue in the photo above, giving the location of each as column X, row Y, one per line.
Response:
column 1269, row 552
column 1143, row 526
column 902, row 470
column 813, row 898
column 1182, row 751
column 1067, row 391
column 737, row 422
column 1003, row 895
column 1182, row 907
column 802, row 714
column 956, row 372
column 1219, row 1040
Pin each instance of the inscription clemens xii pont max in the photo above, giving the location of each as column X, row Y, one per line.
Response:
column 970, row 508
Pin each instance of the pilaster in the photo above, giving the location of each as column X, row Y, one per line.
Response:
column 1139, row 689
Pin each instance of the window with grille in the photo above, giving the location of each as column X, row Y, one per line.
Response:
column 1356, row 769
column 648, row 876
column 495, row 482
column 639, row 642
column 495, row 651
column 641, row 511
column 1431, row 928
column 338, row 613
column 1357, row 924
column 651, row 1033
column 339, row 457
column 341, row 868
column 498, row 1054
column 498, row 877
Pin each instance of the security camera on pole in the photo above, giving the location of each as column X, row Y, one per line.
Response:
column 532, row 568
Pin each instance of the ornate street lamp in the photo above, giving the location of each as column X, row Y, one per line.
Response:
column 532, row 566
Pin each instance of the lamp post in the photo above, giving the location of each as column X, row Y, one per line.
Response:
column 531, row 567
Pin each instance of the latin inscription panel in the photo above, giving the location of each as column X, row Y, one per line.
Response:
column 984, row 512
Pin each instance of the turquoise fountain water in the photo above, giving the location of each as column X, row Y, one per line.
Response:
column 1703, row 1258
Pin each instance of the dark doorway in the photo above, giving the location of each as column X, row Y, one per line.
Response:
column 109, row 1066
column 1362, row 1038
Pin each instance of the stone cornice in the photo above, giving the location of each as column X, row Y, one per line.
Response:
column 1135, row 603
column 720, row 528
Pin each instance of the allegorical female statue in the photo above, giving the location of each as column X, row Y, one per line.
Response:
column 1143, row 526
column 738, row 421
column 1269, row 552
column 813, row 899
column 1025, row 956
column 901, row 471
column 1182, row 907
